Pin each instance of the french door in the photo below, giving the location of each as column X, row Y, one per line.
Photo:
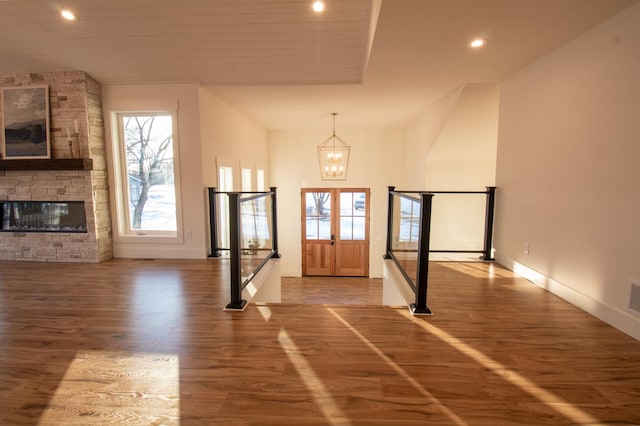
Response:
column 335, row 232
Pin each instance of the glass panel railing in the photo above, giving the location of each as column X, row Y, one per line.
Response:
column 447, row 223
column 405, row 233
column 457, row 226
column 256, row 245
column 247, row 222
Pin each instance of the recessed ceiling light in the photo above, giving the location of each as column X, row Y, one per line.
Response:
column 478, row 43
column 318, row 6
column 68, row 15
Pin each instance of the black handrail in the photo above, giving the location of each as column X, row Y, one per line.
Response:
column 235, row 239
column 424, row 233
column 488, row 223
column 426, row 201
column 274, row 223
column 422, row 273
column 234, row 245
column 213, row 229
column 389, row 247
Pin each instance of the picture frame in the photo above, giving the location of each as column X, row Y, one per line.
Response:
column 25, row 122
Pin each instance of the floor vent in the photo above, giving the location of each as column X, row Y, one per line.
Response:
column 634, row 297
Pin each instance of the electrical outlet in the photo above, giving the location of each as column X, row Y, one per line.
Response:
column 525, row 249
column 188, row 235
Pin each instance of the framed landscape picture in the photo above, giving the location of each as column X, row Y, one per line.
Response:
column 25, row 118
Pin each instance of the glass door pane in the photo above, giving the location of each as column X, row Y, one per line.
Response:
column 318, row 215
column 352, row 215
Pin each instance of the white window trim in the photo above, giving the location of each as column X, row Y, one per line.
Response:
column 258, row 167
column 122, row 233
column 235, row 167
column 247, row 186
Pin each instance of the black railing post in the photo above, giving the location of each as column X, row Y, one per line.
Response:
column 422, row 273
column 213, row 222
column 488, row 224
column 387, row 254
column 236, row 302
column 274, row 222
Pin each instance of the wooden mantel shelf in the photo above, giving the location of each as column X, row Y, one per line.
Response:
column 46, row 164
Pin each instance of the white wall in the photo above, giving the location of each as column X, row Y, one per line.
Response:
column 452, row 147
column 183, row 98
column 567, row 174
column 376, row 162
column 420, row 137
column 463, row 157
column 230, row 136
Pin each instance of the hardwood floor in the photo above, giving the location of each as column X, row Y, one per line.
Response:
column 147, row 342
column 336, row 291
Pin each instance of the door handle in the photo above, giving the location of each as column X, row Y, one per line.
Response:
column 333, row 240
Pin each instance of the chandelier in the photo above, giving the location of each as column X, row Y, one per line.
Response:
column 333, row 155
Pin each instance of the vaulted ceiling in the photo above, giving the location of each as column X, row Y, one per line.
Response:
column 375, row 62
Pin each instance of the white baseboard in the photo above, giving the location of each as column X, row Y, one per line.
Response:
column 623, row 321
column 158, row 253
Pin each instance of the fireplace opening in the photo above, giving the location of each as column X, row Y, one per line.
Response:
column 43, row 216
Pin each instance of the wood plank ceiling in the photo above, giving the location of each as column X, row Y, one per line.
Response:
column 211, row 42
column 286, row 67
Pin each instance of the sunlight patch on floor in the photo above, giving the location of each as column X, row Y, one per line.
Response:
column 398, row 370
column 574, row 414
column 481, row 270
column 117, row 388
column 265, row 312
column 321, row 394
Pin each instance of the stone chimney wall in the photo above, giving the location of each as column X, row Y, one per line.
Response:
column 74, row 96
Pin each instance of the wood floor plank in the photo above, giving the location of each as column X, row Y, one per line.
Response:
column 148, row 342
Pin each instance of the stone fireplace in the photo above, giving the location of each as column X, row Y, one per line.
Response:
column 62, row 181
column 43, row 216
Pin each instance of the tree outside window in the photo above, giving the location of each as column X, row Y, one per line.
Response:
column 148, row 144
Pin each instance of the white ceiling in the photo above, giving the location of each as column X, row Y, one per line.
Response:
column 208, row 41
column 284, row 66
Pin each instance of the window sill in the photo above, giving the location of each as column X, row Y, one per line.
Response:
column 150, row 238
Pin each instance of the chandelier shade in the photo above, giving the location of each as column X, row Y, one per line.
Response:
column 333, row 156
